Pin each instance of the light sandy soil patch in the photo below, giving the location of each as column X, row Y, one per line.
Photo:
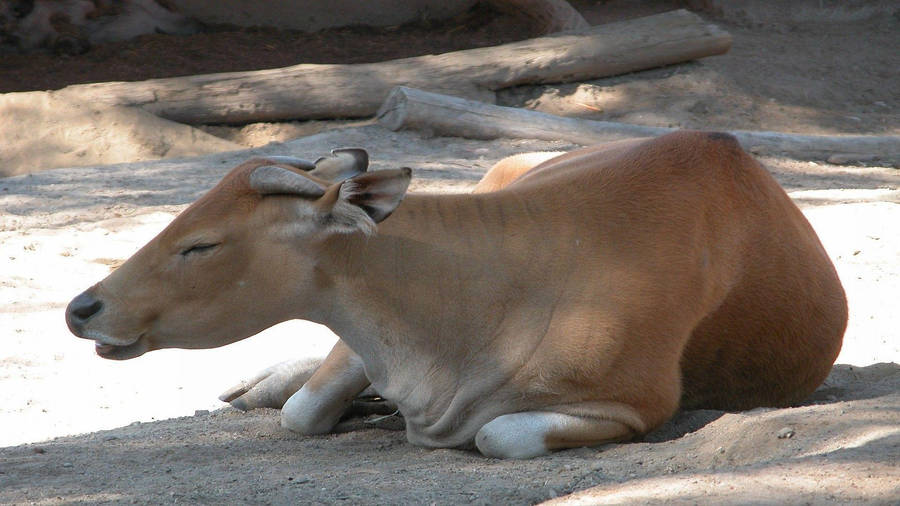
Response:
column 63, row 230
column 41, row 131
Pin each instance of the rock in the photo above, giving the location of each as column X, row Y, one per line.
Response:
column 848, row 158
column 759, row 150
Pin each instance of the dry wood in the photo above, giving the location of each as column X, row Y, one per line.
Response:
column 452, row 116
column 551, row 15
column 332, row 91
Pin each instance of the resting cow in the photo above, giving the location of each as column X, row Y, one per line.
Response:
column 576, row 303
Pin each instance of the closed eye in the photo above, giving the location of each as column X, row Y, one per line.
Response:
column 198, row 248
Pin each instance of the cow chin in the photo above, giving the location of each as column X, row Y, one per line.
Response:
column 122, row 352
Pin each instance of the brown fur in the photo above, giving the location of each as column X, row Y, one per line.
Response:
column 610, row 283
column 773, row 338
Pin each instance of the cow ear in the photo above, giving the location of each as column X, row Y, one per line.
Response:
column 368, row 199
column 343, row 164
column 272, row 180
column 377, row 193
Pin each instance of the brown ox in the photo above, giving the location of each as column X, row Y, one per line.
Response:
column 581, row 303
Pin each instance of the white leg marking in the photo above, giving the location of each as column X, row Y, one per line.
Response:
column 518, row 435
column 316, row 410
column 532, row 433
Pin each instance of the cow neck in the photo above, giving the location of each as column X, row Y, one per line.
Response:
column 397, row 297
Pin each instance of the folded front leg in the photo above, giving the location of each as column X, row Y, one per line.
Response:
column 326, row 396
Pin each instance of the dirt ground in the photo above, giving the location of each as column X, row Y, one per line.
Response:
column 61, row 230
column 232, row 49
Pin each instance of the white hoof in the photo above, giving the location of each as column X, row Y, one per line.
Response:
column 514, row 436
column 309, row 413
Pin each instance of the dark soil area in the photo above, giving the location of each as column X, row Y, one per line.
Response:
column 231, row 49
column 806, row 66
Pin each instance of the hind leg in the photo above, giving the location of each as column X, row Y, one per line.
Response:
column 533, row 433
column 510, row 168
column 272, row 386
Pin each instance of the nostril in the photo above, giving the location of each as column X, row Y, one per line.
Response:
column 86, row 312
column 83, row 307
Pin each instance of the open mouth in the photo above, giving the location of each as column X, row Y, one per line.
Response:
column 123, row 352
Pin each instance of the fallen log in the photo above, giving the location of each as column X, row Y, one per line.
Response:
column 311, row 91
column 451, row 116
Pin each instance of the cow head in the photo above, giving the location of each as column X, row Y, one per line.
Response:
column 240, row 259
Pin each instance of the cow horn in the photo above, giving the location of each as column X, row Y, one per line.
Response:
column 272, row 180
column 293, row 161
column 343, row 164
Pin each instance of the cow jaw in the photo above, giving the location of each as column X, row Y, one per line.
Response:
column 122, row 352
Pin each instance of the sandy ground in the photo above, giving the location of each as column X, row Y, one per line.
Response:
column 62, row 230
column 43, row 131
